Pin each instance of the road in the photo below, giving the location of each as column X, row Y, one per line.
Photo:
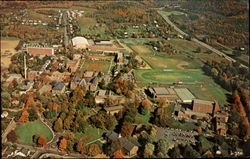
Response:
column 198, row 41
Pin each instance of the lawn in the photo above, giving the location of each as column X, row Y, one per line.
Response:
column 8, row 45
column 92, row 134
column 89, row 26
column 99, row 66
column 173, row 76
column 142, row 119
column 25, row 132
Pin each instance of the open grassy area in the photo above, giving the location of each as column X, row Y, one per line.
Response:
column 8, row 45
column 90, row 26
column 25, row 132
column 142, row 119
column 100, row 66
column 91, row 134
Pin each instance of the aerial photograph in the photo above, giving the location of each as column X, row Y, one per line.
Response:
column 125, row 79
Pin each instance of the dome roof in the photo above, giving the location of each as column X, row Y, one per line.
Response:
column 79, row 41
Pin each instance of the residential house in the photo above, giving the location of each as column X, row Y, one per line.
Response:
column 32, row 75
column 45, row 89
column 128, row 147
column 17, row 77
column 114, row 109
column 72, row 65
column 58, row 88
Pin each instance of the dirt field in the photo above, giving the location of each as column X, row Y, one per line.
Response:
column 102, row 66
column 7, row 45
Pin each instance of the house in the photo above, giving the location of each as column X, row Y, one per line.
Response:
column 37, row 51
column 72, row 65
column 32, row 75
column 203, row 106
column 93, row 84
column 80, row 42
column 4, row 114
column 128, row 147
column 114, row 109
column 45, row 89
column 220, row 126
column 58, row 88
column 12, row 77
column 103, row 42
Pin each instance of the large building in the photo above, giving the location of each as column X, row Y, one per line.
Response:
column 36, row 51
column 184, row 94
column 80, row 42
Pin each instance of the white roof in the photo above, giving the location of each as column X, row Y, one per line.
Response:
column 79, row 40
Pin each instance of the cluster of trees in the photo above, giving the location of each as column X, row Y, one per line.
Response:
column 233, row 22
column 121, row 86
column 162, row 46
column 227, row 74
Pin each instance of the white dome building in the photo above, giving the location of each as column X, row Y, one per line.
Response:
column 80, row 42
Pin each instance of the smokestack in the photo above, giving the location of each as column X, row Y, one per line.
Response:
column 25, row 68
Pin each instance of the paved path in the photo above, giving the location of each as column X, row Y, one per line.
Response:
column 198, row 41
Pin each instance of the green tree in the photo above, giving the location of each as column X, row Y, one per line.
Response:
column 162, row 146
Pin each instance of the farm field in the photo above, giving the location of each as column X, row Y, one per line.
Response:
column 7, row 45
column 100, row 66
column 25, row 132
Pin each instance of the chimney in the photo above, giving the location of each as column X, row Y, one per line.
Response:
column 119, row 136
column 25, row 68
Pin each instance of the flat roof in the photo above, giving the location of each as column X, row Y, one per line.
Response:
column 160, row 90
column 199, row 101
column 184, row 94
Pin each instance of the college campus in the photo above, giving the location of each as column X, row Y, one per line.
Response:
column 125, row 79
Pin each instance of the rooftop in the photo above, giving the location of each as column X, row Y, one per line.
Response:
column 184, row 94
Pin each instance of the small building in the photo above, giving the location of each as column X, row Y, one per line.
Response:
column 103, row 42
column 128, row 147
column 4, row 114
column 73, row 65
column 80, row 42
column 37, row 51
column 12, row 77
column 220, row 126
column 114, row 109
column 58, row 88
column 32, row 75
column 45, row 89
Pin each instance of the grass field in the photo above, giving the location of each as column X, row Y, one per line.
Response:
column 168, row 69
column 9, row 45
column 88, row 26
column 25, row 132
column 91, row 134
column 100, row 66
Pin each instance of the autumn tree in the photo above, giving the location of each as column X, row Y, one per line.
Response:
column 162, row 146
column 24, row 117
column 118, row 154
column 12, row 136
column 81, row 147
column 126, row 129
column 58, row 125
column 63, row 144
column 41, row 141
column 93, row 150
